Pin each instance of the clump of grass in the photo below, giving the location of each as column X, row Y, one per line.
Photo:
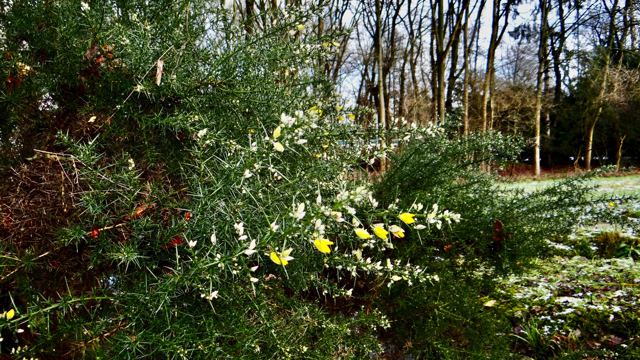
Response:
column 582, row 247
column 536, row 341
column 609, row 243
column 632, row 214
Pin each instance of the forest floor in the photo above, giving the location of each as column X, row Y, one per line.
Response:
column 582, row 301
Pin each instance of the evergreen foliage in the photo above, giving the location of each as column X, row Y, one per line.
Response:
column 207, row 198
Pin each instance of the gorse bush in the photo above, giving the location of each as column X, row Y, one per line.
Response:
column 213, row 200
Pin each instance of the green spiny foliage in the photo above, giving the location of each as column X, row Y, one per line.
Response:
column 218, row 202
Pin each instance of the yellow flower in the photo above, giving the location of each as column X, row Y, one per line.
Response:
column 323, row 245
column 278, row 147
column 380, row 231
column 407, row 218
column 358, row 254
column 300, row 27
column 397, row 231
column 612, row 204
column 362, row 233
column 276, row 132
column 340, row 118
column 282, row 258
column 351, row 116
column 10, row 314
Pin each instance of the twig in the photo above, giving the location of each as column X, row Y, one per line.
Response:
column 52, row 153
column 142, row 78
column 98, row 338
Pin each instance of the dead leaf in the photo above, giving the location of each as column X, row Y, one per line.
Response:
column 613, row 340
column 159, row 70
column 593, row 345
column 490, row 303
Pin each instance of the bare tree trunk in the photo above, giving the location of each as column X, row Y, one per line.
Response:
column 619, row 152
column 382, row 116
column 536, row 146
column 468, row 44
column 465, row 80
column 453, row 25
column 454, row 74
column 591, row 125
column 496, row 38
column 403, row 69
column 433, row 80
column 590, row 129
column 547, row 112
column 249, row 16
column 542, row 61
column 634, row 27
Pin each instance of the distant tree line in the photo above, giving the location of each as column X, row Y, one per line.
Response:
column 562, row 74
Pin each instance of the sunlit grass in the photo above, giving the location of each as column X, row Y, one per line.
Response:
column 622, row 185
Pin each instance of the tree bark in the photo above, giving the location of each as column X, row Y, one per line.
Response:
column 442, row 48
column 381, row 103
column 468, row 44
column 465, row 80
column 496, row 38
column 619, row 152
column 591, row 125
column 542, row 61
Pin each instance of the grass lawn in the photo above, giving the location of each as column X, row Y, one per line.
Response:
column 582, row 301
column 620, row 185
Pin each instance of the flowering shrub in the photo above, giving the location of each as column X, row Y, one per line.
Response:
column 220, row 208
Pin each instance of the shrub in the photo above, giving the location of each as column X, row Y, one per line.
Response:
column 216, row 205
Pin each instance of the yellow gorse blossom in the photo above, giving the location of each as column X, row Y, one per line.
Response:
column 276, row 132
column 397, row 231
column 323, row 245
column 8, row 314
column 407, row 218
column 379, row 230
column 278, row 147
column 282, row 258
column 362, row 233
